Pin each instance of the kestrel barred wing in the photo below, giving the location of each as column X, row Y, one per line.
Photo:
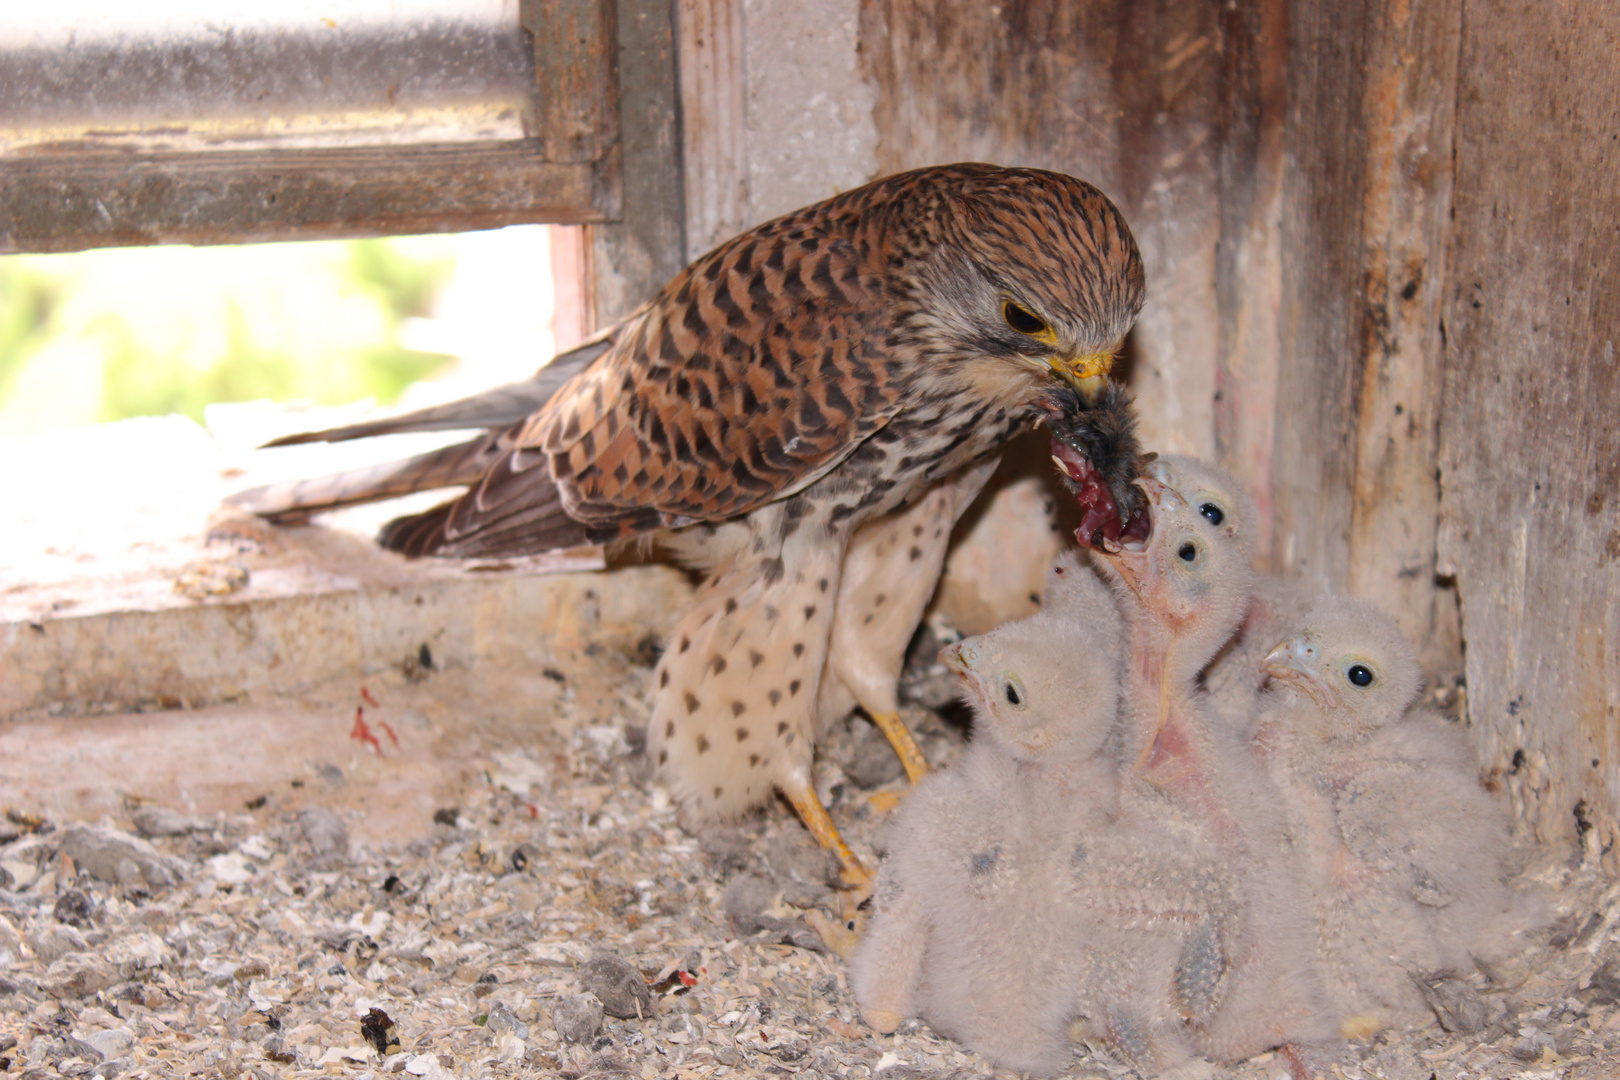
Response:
column 759, row 371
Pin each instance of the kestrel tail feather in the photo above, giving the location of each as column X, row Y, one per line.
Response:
column 295, row 501
column 537, row 521
column 494, row 409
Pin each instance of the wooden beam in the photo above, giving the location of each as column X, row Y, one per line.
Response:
column 72, row 202
column 1248, row 259
column 1530, row 431
column 634, row 256
column 1322, row 273
column 1407, row 111
column 714, row 121
column 576, row 106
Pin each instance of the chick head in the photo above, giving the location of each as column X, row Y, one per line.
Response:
column 1352, row 660
column 1213, row 492
column 1047, row 687
column 1190, row 578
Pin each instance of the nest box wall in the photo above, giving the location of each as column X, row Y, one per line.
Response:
column 1378, row 282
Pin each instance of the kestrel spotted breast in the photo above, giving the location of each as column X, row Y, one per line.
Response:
column 803, row 413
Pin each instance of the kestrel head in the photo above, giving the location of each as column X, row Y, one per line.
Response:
column 1035, row 268
column 1352, row 660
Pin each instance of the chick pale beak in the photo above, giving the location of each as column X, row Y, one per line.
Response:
column 951, row 656
column 1088, row 374
column 1294, row 662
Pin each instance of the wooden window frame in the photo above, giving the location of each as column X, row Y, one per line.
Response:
column 567, row 170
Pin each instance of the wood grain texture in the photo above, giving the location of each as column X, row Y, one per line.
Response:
column 1248, row 259
column 72, row 202
column 576, row 107
column 1407, row 111
column 714, row 118
column 1530, row 431
column 1322, row 273
column 632, row 257
column 1366, row 197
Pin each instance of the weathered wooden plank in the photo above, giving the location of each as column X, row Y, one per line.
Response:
column 1313, row 471
column 1407, row 113
column 1366, row 202
column 68, row 203
column 572, row 277
column 633, row 257
column 1248, row 258
column 714, row 119
column 1530, row 432
column 576, row 105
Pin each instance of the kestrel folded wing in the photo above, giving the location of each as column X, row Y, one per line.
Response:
column 758, row 370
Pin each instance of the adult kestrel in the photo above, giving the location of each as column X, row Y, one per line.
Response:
column 804, row 413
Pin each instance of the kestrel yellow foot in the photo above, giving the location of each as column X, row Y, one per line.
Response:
column 904, row 745
column 883, row 802
column 853, row 875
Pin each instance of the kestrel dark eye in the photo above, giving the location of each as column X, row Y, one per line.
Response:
column 1013, row 690
column 1012, row 695
column 1212, row 513
column 1022, row 319
column 1360, row 675
column 1187, row 551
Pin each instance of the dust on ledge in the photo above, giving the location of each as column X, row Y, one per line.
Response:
column 492, row 923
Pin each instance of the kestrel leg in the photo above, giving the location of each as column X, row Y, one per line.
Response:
column 890, row 571
column 733, row 714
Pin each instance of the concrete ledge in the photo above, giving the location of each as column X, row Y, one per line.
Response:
column 123, row 586
column 259, row 649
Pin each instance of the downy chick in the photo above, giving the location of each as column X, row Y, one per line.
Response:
column 1185, row 589
column 966, row 933
column 1407, row 855
column 1233, row 678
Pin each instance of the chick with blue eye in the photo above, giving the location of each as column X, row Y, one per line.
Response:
column 1184, row 590
column 1233, row 676
column 967, row 931
column 1406, row 857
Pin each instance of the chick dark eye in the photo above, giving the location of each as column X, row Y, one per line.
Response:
column 1212, row 513
column 1187, row 551
column 1013, row 690
column 1012, row 695
column 1359, row 674
column 1022, row 319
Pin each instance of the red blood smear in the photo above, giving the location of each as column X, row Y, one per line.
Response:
column 362, row 730
column 389, row 732
column 1101, row 514
column 366, row 696
column 687, row 979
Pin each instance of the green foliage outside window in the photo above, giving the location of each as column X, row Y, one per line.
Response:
column 107, row 335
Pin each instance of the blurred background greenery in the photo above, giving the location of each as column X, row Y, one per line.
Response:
column 111, row 334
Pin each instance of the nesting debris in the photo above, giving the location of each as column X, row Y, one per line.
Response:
column 200, row 581
column 264, row 956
